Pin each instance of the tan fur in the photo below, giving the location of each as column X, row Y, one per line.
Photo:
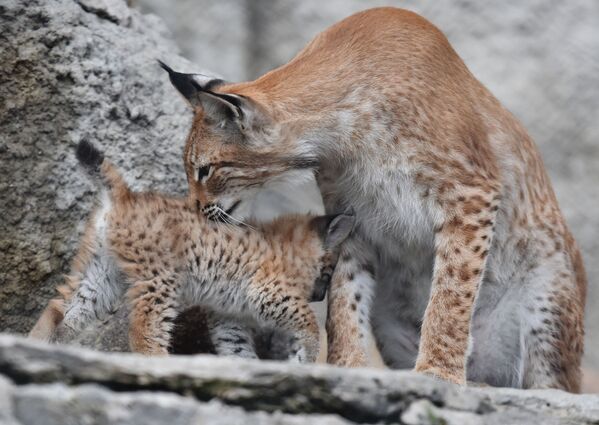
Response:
column 173, row 257
column 383, row 106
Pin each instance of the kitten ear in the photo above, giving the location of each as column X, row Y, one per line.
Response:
column 334, row 229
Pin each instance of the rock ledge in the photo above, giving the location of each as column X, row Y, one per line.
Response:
column 47, row 384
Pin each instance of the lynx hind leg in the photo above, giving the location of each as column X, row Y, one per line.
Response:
column 84, row 298
column 90, row 291
column 552, row 339
column 154, row 307
column 99, row 287
column 231, row 337
column 531, row 338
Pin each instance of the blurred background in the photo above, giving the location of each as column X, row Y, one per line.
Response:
column 539, row 57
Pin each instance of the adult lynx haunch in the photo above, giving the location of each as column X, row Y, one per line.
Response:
column 166, row 257
column 461, row 260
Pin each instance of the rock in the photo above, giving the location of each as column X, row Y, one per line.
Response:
column 57, row 404
column 73, row 70
column 47, row 384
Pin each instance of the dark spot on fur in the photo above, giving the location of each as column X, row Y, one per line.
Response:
column 464, row 273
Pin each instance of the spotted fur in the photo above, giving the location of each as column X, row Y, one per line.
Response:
column 461, row 260
column 166, row 256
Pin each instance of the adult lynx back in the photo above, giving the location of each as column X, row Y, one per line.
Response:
column 461, row 262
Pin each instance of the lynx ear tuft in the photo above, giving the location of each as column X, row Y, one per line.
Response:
column 222, row 109
column 184, row 83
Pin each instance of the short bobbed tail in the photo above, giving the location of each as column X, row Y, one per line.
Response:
column 102, row 171
column 89, row 156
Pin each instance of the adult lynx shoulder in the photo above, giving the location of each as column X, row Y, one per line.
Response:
column 461, row 263
column 166, row 257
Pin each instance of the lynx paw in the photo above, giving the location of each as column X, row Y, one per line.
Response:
column 445, row 375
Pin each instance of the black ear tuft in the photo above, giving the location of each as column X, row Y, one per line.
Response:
column 184, row 83
column 89, row 156
column 165, row 66
column 219, row 107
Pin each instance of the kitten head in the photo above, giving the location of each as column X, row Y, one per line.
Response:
column 235, row 145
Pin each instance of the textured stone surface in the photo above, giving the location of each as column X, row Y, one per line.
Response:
column 539, row 57
column 73, row 70
column 52, row 384
column 57, row 404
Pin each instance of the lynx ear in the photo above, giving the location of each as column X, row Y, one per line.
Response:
column 222, row 109
column 333, row 229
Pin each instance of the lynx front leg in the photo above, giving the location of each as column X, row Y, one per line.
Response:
column 462, row 245
column 348, row 320
column 154, row 308
column 290, row 312
column 301, row 320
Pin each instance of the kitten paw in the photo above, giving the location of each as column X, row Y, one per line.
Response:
column 298, row 355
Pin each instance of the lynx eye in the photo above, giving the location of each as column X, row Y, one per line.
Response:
column 203, row 173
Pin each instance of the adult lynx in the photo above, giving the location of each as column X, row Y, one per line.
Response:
column 461, row 259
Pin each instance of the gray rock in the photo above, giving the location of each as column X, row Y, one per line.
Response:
column 73, row 70
column 51, row 384
column 59, row 404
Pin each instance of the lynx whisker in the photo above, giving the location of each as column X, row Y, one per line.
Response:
column 230, row 219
